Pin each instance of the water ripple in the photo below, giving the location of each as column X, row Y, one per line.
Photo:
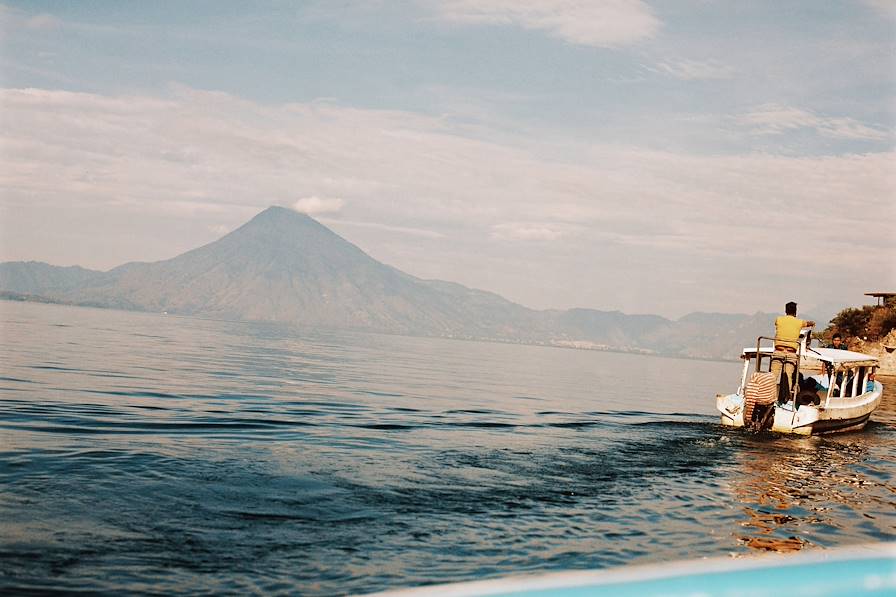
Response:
column 222, row 457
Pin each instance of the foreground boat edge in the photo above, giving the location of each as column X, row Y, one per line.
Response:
column 872, row 568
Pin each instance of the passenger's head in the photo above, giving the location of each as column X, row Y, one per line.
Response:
column 837, row 340
column 790, row 308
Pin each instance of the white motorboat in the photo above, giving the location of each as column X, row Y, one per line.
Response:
column 841, row 398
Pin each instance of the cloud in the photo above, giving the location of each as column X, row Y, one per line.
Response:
column 421, row 232
column 43, row 21
column 600, row 23
column 318, row 205
column 526, row 231
column 776, row 119
column 197, row 156
column 15, row 18
column 185, row 151
column 884, row 7
column 695, row 70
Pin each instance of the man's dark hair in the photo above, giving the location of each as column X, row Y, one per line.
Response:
column 837, row 335
column 790, row 308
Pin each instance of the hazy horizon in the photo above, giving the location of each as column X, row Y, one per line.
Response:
column 815, row 310
column 625, row 155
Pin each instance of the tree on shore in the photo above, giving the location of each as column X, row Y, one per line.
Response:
column 864, row 322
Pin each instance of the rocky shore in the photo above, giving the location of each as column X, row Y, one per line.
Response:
column 884, row 349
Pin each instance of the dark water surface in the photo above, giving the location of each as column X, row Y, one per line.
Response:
column 147, row 453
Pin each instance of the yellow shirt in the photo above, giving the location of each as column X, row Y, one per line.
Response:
column 787, row 331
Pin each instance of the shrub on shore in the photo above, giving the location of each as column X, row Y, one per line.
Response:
column 871, row 322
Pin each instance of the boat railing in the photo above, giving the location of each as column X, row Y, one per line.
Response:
column 794, row 386
column 850, row 379
column 862, row 369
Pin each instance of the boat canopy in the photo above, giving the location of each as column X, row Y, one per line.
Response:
column 829, row 355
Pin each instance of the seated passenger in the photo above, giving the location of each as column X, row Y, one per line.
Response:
column 822, row 382
column 837, row 342
column 869, row 387
column 808, row 392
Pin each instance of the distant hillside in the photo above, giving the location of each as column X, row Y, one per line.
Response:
column 611, row 328
column 285, row 266
column 34, row 277
column 714, row 335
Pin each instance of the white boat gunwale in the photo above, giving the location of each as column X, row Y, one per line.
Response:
column 704, row 576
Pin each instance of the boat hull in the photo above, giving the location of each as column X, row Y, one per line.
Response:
column 839, row 416
column 838, row 572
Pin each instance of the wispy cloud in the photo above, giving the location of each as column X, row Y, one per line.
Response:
column 775, row 119
column 526, row 231
column 421, row 232
column 194, row 146
column 318, row 205
column 601, row 23
column 884, row 7
column 215, row 158
column 15, row 18
column 694, row 70
column 43, row 21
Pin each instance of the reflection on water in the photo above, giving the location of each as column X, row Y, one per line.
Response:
column 144, row 453
column 796, row 490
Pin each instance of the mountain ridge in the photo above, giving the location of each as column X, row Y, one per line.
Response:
column 285, row 266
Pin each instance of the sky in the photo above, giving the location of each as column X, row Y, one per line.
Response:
column 660, row 157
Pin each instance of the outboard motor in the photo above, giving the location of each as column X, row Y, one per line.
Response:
column 759, row 400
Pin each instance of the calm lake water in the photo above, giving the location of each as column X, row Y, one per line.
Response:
column 146, row 453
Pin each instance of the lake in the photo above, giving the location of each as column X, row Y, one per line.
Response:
column 157, row 454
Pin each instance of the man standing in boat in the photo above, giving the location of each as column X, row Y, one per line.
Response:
column 787, row 342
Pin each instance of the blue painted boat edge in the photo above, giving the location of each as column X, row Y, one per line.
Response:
column 872, row 564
